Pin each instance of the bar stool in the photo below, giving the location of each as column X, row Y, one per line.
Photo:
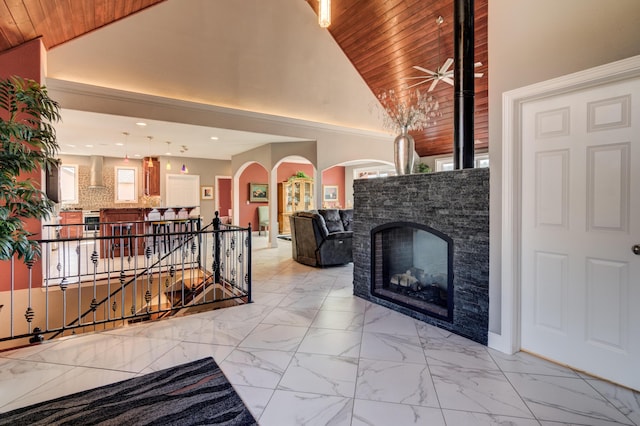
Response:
column 121, row 238
column 160, row 228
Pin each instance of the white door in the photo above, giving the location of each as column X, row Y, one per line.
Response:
column 580, row 220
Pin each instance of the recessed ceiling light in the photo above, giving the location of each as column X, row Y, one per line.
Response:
column 214, row 138
column 136, row 155
column 167, row 153
column 141, row 123
column 89, row 146
column 71, row 145
column 119, row 144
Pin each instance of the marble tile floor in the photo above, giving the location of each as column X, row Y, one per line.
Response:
column 307, row 352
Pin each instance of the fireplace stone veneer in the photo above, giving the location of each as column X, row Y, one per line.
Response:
column 454, row 203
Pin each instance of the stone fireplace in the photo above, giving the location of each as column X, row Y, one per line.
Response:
column 421, row 247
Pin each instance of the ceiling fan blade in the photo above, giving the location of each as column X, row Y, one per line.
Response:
column 446, row 65
column 433, row 85
column 418, row 84
column 424, row 77
column 447, row 80
column 423, row 69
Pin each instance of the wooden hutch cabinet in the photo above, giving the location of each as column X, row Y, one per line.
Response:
column 293, row 195
column 151, row 176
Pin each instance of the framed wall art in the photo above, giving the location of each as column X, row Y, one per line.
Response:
column 206, row 192
column 330, row 193
column 259, row 192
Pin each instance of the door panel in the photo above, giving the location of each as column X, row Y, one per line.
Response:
column 608, row 187
column 580, row 299
column 550, row 292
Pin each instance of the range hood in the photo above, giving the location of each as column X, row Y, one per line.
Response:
column 95, row 173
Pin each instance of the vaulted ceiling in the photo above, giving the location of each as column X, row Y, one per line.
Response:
column 383, row 39
column 60, row 21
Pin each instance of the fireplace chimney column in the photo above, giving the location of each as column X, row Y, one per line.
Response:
column 464, row 90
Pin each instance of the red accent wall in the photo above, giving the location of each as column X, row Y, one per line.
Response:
column 26, row 61
column 248, row 211
column 224, row 188
column 335, row 176
column 286, row 170
column 255, row 173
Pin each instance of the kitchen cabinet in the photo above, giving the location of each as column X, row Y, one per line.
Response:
column 151, row 176
column 68, row 219
column 293, row 195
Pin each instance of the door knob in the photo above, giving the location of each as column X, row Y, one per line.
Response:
column 636, row 249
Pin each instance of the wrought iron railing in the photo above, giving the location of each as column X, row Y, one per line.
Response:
column 128, row 272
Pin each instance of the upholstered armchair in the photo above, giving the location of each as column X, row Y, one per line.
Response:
column 322, row 237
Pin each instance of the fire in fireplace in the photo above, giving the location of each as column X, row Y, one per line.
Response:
column 412, row 267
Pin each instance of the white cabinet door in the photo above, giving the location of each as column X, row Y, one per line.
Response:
column 183, row 190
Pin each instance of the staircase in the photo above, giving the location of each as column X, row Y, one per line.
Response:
column 202, row 269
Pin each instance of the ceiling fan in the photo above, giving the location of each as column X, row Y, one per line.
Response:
column 441, row 73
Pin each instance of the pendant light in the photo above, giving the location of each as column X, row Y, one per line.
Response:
column 149, row 163
column 184, row 168
column 126, row 136
column 324, row 13
column 168, row 167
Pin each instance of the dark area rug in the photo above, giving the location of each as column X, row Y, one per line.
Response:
column 196, row 393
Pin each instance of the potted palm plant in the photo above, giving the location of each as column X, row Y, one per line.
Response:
column 27, row 144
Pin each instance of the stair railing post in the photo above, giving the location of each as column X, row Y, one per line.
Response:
column 216, row 254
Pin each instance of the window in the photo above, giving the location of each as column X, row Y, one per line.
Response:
column 446, row 163
column 68, row 175
column 126, row 185
column 374, row 172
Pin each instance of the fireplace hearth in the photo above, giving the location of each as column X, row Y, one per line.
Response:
column 421, row 247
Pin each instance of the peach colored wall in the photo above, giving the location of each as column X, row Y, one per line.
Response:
column 248, row 212
column 27, row 61
column 335, row 176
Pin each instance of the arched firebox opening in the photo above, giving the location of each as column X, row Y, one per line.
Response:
column 412, row 266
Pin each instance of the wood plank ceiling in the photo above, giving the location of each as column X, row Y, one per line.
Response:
column 58, row 21
column 382, row 38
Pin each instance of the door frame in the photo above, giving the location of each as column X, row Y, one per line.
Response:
column 508, row 340
column 217, row 193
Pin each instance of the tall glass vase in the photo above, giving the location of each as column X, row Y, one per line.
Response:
column 403, row 148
